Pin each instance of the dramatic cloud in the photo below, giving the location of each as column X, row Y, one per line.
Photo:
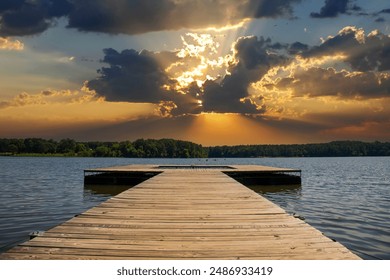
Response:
column 50, row 97
column 252, row 61
column 132, row 76
column 316, row 82
column 10, row 4
column 363, row 53
column 148, row 77
column 24, row 17
column 134, row 17
column 9, row 44
column 189, row 80
column 264, row 8
column 199, row 60
column 297, row 48
column 348, row 67
column 333, row 8
column 170, row 80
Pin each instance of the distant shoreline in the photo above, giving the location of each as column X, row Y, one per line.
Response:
column 170, row 148
column 75, row 156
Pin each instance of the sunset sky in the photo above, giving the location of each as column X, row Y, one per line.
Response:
column 213, row 71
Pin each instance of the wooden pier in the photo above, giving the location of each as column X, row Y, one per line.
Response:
column 192, row 212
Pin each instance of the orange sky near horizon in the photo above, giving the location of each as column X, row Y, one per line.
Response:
column 282, row 72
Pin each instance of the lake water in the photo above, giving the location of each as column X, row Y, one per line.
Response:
column 348, row 199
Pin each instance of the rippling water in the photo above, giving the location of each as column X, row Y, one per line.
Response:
column 346, row 198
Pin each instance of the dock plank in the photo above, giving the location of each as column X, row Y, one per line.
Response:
column 183, row 214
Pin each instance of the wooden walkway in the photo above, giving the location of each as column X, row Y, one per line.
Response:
column 183, row 214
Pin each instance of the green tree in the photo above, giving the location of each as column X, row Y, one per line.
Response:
column 102, row 151
column 67, row 146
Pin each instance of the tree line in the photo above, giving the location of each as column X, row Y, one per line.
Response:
column 331, row 149
column 170, row 148
column 141, row 148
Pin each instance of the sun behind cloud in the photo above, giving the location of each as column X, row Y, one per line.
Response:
column 321, row 69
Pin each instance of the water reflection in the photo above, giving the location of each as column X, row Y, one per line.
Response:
column 91, row 190
column 292, row 190
column 286, row 196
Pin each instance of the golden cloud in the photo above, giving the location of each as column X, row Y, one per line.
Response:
column 9, row 44
column 50, row 96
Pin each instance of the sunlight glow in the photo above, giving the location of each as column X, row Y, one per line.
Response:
column 200, row 60
column 228, row 27
column 93, row 111
column 283, row 103
column 233, row 129
column 9, row 44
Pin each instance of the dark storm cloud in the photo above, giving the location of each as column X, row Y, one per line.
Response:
column 59, row 8
column 316, row 82
column 24, row 17
column 222, row 98
column 363, row 53
column 131, row 77
column 297, row 48
column 141, row 77
column 385, row 11
column 333, row 8
column 129, row 17
column 10, row 4
column 254, row 59
column 274, row 8
column 134, row 17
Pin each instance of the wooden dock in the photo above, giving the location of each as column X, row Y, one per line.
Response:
column 183, row 213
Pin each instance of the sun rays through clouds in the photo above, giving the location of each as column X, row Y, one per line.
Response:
column 319, row 68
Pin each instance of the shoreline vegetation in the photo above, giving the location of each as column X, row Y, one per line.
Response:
column 170, row 148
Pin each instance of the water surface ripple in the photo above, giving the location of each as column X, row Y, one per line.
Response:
column 348, row 199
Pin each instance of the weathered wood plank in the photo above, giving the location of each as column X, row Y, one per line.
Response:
column 183, row 214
